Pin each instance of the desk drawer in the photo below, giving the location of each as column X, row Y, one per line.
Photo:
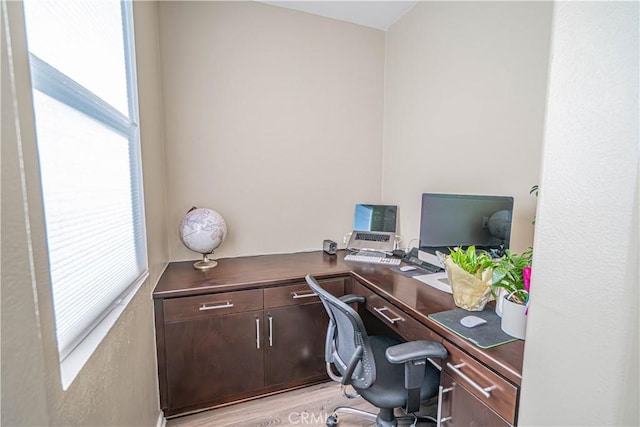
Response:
column 211, row 305
column 392, row 316
column 493, row 390
column 300, row 293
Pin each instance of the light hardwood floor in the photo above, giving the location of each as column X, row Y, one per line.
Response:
column 308, row 406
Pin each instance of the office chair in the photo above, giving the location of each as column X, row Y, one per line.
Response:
column 373, row 365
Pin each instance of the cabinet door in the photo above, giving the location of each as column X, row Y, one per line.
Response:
column 211, row 358
column 294, row 343
column 460, row 408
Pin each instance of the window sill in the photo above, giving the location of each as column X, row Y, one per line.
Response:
column 73, row 363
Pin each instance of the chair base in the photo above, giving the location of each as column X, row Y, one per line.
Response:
column 332, row 420
column 385, row 418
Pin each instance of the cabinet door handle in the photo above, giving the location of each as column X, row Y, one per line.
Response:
column 296, row 295
column 380, row 311
column 439, row 418
column 270, row 331
column 257, row 333
column 205, row 307
column 485, row 391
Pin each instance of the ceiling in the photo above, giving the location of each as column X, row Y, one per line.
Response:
column 375, row 14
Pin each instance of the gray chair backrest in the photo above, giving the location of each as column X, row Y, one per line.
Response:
column 347, row 341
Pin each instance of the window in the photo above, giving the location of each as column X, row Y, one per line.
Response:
column 83, row 75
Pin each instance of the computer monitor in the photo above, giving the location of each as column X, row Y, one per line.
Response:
column 450, row 220
column 380, row 218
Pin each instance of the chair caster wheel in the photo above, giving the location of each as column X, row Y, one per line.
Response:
column 332, row 421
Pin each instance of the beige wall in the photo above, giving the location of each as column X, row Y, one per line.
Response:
column 465, row 88
column 118, row 385
column 23, row 399
column 152, row 133
column 266, row 111
column 581, row 354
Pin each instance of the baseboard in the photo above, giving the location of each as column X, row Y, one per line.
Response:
column 162, row 421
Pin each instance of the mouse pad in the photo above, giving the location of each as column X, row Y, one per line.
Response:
column 487, row 335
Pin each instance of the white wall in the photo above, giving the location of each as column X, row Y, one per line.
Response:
column 581, row 353
column 273, row 118
column 465, row 88
column 118, row 384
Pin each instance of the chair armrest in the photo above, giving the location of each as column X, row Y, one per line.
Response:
column 415, row 350
column 413, row 355
column 348, row 299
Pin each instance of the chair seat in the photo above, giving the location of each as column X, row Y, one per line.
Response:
column 389, row 391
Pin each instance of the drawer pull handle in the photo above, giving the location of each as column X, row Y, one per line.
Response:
column 205, row 307
column 258, row 334
column 296, row 295
column 486, row 391
column 270, row 331
column 380, row 311
column 439, row 418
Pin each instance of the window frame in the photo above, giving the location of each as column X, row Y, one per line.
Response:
column 53, row 83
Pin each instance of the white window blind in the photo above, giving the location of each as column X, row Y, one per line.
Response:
column 85, row 106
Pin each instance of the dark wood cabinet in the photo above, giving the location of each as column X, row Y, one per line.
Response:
column 486, row 399
column 217, row 348
column 460, row 408
column 296, row 324
column 212, row 358
column 487, row 387
column 251, row 327
column 292, row 356
column 209, row 340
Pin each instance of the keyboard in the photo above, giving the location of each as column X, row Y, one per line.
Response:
column 372, row 237
column 372, row 259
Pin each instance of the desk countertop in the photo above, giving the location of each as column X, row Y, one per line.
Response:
column 414, row 297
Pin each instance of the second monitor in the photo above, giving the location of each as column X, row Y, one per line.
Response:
column 450, row 220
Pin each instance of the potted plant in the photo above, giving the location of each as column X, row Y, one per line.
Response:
column 510, row 287
column 470, row 274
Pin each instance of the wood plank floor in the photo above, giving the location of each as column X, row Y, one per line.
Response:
column 308, row 406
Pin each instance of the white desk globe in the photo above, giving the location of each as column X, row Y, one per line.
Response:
column 202, row 230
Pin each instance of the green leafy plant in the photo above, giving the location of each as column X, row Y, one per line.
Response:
column 534, row 190
column 471, row 261
column 470, row 275
column 511, row 274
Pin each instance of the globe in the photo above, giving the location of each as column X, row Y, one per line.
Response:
column 203, row 230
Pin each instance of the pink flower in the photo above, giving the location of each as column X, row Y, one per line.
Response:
column 526, row 278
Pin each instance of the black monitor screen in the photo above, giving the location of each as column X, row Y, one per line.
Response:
column 450, row 220
column 375, row 218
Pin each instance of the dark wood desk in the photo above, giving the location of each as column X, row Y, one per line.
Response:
column 240, row 300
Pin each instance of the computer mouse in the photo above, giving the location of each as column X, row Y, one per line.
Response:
column 407, row 268
column 472, row 321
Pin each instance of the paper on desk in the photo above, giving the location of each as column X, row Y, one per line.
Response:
column 436, row 280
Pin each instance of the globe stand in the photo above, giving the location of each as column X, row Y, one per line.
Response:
column 206, row 263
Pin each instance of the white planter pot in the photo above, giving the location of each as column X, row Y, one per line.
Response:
column 514, row 319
